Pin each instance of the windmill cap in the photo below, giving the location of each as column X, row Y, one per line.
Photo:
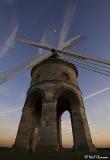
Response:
column 50, row 60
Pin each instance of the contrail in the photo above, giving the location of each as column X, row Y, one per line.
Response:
column 68, row 19
column 43, row 39
column 9, row 42
column 9, row 2
column 96, row 93
column 34, row 20
column 10, row 111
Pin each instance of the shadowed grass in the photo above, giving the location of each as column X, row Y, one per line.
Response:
column 8, row 154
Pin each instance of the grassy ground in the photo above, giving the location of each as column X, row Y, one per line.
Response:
column 7, row 154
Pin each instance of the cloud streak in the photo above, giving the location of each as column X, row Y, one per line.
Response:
column 5, row 111
column 34, row 20
column 43, row 39
column 68, row 19
column 9, row 2
column 10, row 111
column 9, row 42
column 4, row 91
column 96, row 93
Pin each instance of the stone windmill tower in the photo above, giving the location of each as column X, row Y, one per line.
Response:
column 53, row 90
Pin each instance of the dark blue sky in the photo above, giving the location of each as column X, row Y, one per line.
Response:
column 55, row 21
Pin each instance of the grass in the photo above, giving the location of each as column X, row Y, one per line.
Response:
column 8, row 154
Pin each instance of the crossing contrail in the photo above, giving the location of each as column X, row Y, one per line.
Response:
column 9, row 42
column 68, row 19
column 10, row 111
column 96, row 93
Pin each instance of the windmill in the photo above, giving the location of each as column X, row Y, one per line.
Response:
column 53, row 90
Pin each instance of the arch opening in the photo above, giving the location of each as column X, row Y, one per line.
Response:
column 66, row 129
column 64, row 125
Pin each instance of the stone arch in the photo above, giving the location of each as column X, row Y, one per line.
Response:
column 67, row 100
column 69, row 92
column 66, row 130
column 32, row 94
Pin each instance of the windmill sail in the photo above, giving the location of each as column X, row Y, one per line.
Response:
column 101, row 69
column 78, row 55
column 95, row 64
column 27, row 65
column 62, row 50
column 34, row 44
column 70, row 43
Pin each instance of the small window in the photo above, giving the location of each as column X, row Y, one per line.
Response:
column 65, row 76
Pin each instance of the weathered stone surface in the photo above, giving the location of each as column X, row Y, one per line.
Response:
column 53, row 90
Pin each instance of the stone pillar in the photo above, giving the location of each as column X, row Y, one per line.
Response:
column 59, row 134
column 48, row 129
column 23, row 139
column 81, row 132
column 28, row 131
column 35, row 135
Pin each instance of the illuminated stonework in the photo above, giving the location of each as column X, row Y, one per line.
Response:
column 53, row 90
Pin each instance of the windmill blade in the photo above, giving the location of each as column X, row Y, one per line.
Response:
column 104, row 66
column 65, row 45
column 91, row 63
column 82, row 57
column 70, row 43
column 37, row 61
column 33, row 43
column 85, row 65
column 92, row 69
column 27, row 65
column 100, row 66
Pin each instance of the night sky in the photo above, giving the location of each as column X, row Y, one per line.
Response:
column 55, row 21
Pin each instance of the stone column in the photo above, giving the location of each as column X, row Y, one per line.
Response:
column 23, row 139
column 81, row 132
column 59, row 134
column 36, row 135
column 86, row 127
column 48, row 129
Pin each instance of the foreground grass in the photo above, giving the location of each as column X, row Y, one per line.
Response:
column 68, row 155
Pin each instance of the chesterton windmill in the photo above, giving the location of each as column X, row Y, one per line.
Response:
column 53, row 90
